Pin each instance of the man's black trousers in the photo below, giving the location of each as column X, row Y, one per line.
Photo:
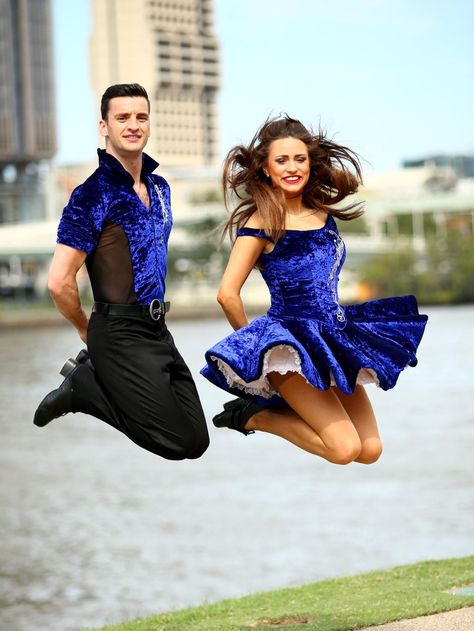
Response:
column 140, row 384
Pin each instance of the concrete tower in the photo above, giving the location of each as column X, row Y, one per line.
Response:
column 27, row 110
column 170, row 48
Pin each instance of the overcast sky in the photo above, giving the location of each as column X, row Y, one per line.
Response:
column 392, row 79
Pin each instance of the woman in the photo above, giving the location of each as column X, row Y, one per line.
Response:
column 299, row 369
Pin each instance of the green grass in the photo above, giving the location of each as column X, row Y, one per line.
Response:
column 340, row 604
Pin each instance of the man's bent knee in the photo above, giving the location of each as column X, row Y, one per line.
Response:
column 191, row 446
column 200, row 447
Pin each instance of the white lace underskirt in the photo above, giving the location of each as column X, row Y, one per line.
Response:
column 281, row 359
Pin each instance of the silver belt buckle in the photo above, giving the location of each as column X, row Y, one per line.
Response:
column 155, row 311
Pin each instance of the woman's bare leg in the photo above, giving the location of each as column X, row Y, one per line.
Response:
column 359, row 409
column 317, row 421
column 338, row 427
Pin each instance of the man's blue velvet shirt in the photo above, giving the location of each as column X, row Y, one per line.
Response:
column 107, row 198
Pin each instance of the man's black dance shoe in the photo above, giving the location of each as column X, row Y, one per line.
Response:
column 59, row 402
column 236, row 414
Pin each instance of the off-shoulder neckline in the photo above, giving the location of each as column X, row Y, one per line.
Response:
column 328, row 218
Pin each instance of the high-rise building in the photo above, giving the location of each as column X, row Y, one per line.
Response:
column 27, row 109
column 170, row 48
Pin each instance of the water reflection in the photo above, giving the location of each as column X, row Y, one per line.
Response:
column 96, row 530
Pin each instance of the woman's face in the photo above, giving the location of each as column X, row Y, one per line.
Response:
column 288, row 165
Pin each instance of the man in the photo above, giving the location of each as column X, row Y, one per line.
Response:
column 118, row 222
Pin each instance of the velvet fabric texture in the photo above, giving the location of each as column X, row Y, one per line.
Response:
column 331, row 344
column 107, row 197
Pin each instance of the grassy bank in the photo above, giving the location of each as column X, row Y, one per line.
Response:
column 333, row 605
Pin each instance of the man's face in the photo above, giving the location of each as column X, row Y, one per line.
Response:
column 127, row 127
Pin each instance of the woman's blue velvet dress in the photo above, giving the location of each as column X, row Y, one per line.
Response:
column 307, row 331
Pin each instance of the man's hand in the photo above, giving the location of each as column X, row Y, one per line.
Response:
column 62, row 286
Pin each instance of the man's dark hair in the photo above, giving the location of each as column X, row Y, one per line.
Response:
column 121, row 89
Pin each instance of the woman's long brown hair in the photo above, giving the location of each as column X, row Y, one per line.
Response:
column 331, row 180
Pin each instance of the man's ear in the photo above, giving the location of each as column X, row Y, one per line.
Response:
column 103, row 128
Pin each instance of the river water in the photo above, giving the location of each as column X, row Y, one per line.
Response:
column 95, row 530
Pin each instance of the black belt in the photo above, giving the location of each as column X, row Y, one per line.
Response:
column 154, row 310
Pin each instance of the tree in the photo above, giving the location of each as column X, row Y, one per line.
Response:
column 443, row 274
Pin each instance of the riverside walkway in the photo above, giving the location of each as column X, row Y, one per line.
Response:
column 457, row 620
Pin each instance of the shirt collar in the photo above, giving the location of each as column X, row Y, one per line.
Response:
column 109, row 163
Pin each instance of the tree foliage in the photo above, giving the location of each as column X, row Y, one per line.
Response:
column 442, row 274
